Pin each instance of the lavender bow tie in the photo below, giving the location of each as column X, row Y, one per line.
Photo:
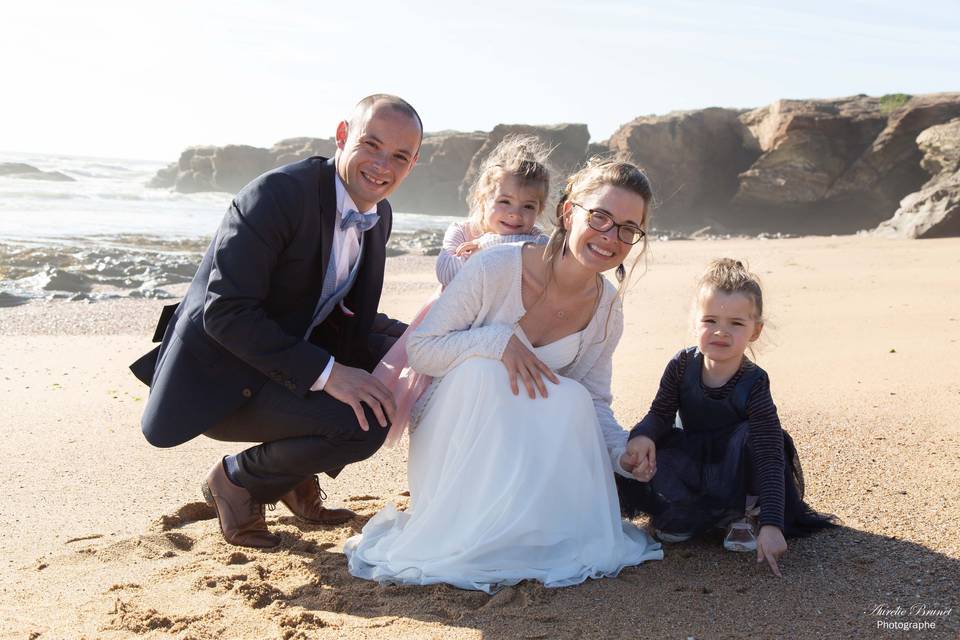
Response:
column 362, row 221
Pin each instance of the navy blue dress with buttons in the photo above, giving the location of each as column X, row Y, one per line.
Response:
column 728, row 444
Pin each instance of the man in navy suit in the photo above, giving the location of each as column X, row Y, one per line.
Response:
column 276, row 336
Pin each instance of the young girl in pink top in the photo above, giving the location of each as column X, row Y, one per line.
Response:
column 509, row 194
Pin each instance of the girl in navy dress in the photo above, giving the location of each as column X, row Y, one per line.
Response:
column 728, row 462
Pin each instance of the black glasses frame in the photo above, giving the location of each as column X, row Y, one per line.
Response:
column 611, row 223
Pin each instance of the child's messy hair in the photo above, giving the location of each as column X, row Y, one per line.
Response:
column 727, row 275
column 521, row 156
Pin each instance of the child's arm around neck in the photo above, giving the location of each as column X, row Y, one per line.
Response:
column 448, row 262
column 536, row 236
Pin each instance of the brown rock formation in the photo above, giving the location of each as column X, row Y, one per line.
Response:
column 941, row 148
column 693, row 159
column 890, row 168
column 434, row 184
column 231, row 167
column 934, row 210
column 235, row 165
column 795, row 166
column 806, row 146
column 165, row 178
column 293, row 149
column 194, row 170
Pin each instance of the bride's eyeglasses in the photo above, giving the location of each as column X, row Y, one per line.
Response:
column 600, row 220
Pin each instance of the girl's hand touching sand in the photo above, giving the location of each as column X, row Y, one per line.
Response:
column 770, row 546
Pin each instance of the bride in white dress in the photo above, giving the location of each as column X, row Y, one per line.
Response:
column 508, row 486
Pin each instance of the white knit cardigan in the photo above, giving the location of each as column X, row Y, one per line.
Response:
column 480, row 310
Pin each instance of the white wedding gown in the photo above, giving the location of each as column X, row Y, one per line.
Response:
column 504, row 488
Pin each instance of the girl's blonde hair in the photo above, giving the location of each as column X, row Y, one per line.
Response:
column 522, row 156
column 600, row 172
column 727, row 275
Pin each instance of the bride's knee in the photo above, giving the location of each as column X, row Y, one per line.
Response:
column 569, row 396
column 571, row 389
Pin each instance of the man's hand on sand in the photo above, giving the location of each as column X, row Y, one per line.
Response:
column 355, row 386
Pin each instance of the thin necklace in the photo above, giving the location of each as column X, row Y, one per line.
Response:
column 561, row 314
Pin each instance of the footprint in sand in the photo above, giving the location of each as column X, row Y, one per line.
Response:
column 150, row 547
column 190, row 512
column 260, row 594
column 128, row 616
column 219, row 584
column 181, row 541
column 298, row 625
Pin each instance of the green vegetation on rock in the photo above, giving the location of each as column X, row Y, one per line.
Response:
column 893, row 101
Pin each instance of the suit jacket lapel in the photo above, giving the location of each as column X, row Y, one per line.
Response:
column 328, row 212
column 371, row 274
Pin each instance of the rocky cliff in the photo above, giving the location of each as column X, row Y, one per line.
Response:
column 934, row 210
column 795, row 166
column 434, row 184
column 693, row 160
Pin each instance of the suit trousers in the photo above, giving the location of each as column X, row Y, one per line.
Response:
column 300, row 436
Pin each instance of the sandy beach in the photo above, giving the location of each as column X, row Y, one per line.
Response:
column 106, row 537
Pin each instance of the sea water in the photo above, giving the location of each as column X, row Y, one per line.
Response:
column 106, row 234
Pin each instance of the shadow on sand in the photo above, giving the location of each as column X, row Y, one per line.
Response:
column 182, row 578
column 833, row 584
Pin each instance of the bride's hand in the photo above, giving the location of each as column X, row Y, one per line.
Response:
column 521, row 362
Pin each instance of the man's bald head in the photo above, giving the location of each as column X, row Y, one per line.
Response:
column 381, row 101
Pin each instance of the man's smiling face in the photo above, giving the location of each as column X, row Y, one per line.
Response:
column 375, row 152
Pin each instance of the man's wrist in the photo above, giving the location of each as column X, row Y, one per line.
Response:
column 322, row 380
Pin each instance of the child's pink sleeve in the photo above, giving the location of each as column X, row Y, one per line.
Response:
column 448, row 263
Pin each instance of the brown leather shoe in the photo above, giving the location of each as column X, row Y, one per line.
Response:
column 306, row 502
column 241, row 518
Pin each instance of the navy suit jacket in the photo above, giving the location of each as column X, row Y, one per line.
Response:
column 243, row 319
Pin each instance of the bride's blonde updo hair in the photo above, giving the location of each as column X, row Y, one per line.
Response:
column 600, row 172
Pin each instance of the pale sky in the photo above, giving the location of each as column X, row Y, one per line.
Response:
column 144, row 79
